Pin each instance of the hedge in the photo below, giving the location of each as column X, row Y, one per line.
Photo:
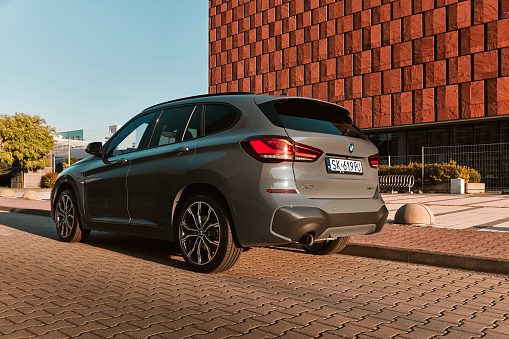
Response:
column 434, row 173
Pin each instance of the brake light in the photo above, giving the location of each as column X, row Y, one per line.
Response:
column 373, row 160
column 279, row 150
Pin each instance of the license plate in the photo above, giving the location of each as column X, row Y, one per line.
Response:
column 344, row 166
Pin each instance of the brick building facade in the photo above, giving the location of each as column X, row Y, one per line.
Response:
column 412, row 72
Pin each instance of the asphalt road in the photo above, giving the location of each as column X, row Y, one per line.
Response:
column 127, row 287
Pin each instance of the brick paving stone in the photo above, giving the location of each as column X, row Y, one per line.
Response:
column 184, row 332
column 455, row 332
column 473, row 328
column 219, row 332
column 314, row 329
column 499, row 328
column 418, row 332
column 279, row 327
column 349, row 330
column 53, row 335
column 149, row 331
column 120, row 286
column 436, row 325
column 44, row 329
column 49, row 318
column 19, row 326
column 292, row 334
column 271, row 317
column 369, row 321
column 112, row 331
column 246, row 325
column 82, row 320
column 255, row 334
column 214, row 324
column 384, row 331
column 86, row 328
column 402, row 323
column 21, row 333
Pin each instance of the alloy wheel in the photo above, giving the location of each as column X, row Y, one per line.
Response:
column 65, row 216
column 200, row 233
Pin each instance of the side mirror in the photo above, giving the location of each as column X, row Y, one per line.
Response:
column 94, row 148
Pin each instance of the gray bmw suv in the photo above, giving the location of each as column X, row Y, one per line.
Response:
column 222, row 172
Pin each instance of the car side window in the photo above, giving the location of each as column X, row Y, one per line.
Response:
column 174, row 125
column 129, row 137
column 218, row 118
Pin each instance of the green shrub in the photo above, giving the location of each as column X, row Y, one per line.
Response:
column 50, row 179
column 434, row 173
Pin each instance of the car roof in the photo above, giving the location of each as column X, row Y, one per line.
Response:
column 202, row 96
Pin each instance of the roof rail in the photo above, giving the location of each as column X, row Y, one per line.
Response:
column 200, row 96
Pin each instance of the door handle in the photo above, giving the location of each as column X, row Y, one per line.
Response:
column 178, row 151
column 119, row 162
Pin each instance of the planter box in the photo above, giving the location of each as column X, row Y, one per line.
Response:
column 472, row 187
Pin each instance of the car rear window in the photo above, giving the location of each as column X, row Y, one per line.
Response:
column 310, row 116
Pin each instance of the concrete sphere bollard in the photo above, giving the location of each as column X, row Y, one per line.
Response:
column 7, row 194
column 31, row 195
column 416, row 214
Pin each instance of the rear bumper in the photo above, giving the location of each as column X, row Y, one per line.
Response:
column 293, row 223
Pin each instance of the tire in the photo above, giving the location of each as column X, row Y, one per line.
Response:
column 67, row 218
column 205, row 236
column 327, row 247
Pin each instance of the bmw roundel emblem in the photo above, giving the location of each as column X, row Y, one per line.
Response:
column 350, row 148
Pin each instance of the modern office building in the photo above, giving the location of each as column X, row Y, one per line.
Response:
column 413, row 73
column 86, row 135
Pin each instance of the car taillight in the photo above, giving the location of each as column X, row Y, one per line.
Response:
column 279, row 150
column 373, row 160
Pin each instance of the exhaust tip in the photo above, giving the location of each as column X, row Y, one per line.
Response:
column 308, row 239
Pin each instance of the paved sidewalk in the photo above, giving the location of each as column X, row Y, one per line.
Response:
column 484, row 212
column 471, row 231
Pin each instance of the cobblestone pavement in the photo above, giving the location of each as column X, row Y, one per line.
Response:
column 131, row 288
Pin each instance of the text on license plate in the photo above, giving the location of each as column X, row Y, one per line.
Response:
column 344, row 166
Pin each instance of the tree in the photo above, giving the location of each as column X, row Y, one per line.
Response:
column 25, row 138
column 73, row 161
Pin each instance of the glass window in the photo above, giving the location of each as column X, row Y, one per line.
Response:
column 218, row 118
column 311, row 116
column 486, row 133
column 416, row 140
column 462, row 135
column 171, row 126
column 397, row 143
column 504, row 132
column 129, row 137
column 380, row 141
column 438, row 137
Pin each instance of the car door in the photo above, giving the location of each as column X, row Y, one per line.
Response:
column 104, row 181
column 158, row 171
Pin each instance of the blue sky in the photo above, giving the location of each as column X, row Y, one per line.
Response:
column 70, row 61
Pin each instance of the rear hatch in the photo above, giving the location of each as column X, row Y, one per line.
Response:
column 348, row 167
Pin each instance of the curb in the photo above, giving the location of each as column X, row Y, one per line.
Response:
column 457, row 261
column 43, row 213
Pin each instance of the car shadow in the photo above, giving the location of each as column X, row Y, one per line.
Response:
column 158, row 251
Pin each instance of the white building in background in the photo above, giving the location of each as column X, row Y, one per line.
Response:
column 73, row 143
